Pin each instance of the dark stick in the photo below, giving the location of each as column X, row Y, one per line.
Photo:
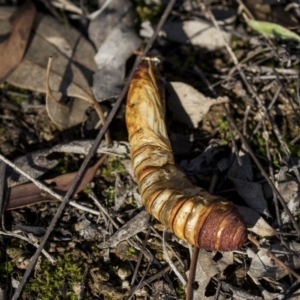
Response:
column 192, row 272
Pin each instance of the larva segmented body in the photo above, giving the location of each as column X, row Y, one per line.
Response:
column 193, row 214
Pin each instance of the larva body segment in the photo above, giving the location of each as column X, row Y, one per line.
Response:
column 194, row 215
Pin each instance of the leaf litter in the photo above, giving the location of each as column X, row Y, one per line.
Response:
column 71, row 74
column 214, row 151
column 117, row 22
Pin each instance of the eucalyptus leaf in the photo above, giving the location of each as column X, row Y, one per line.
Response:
column 69, row 76
column 273, row 30
column 21, row 22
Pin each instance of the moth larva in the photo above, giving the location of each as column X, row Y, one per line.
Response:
column 194, row 215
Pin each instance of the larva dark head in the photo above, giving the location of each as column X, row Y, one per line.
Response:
column 223, row 228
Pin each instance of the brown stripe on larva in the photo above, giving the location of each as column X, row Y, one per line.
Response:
column 194, row 215
column 147, row 158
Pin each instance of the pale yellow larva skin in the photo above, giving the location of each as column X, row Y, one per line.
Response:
column 167, row 194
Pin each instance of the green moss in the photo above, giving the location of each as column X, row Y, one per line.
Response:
column 223, row 124
column 6, row 268
column 148, row 12
column 224, row 131
column 109, row 193
column 48, row 284
column 130, row 251
column 14, row 97
column 17, row 99
column 112, row 166
column 87, row 190
column 65, row 165
column 114, row 269
column 180, row 291
column 295, row 150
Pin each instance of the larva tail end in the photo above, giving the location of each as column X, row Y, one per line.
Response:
column 223, row 229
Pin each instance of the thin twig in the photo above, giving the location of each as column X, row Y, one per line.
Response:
column 101, row 208
column 192, row 273
column 15, row 235
column 155, row 276
column 156, row 233
column 275, row 97
column 132, row 292
column 245, row 120
column 43, row 187
column 98, row 12
column 138, row 264
column 168, row 259
column 275, row 258
column 82, row 285
column 140, row 257
column 271, row 172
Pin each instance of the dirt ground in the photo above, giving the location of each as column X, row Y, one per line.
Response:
column 230, row 73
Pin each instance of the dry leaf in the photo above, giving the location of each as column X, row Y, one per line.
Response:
column 116, row 42
column 120, row 193
column 116, row 12
column 238, row 293
column 109, row 79
column 87, row 230
column 28, row 194
column 69, row 42
column 196, row 165
column 68, row 115
column 34, row 164
column 188, row 105
column 266, row 294
column 196, row 32
column 255, row 222
column 263, row 266
column 135, row 225
column 250, row 191
column 72, row 68
column 67, row 5
column 293, row 206
column 13, row 48
column 37, row 164
column 207, row 267
column 289, row 190
column 70, row 77
column 61, row 114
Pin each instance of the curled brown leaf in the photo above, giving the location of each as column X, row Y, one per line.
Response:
column 29, row 194
column 13, row 48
